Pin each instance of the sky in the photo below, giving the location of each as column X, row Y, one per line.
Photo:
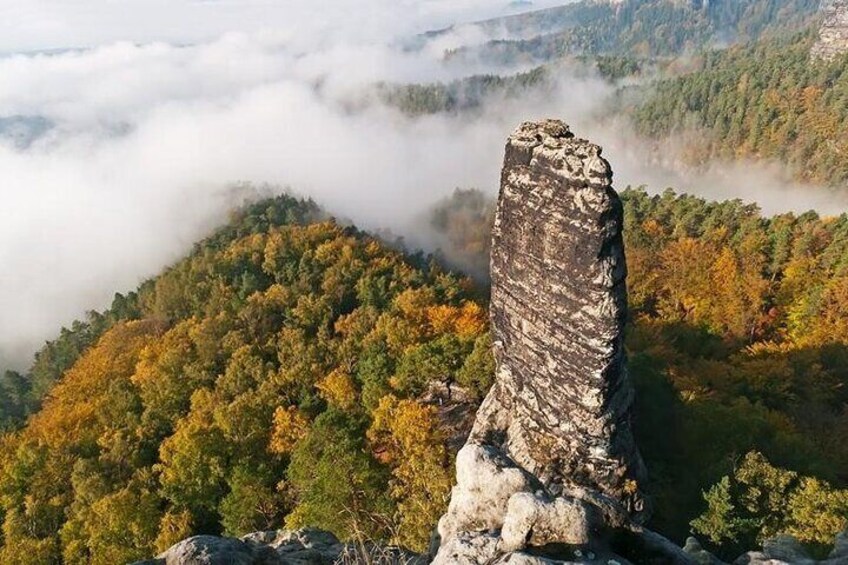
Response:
column 55, row 24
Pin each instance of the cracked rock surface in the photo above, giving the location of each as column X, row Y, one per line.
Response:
column 307, row 546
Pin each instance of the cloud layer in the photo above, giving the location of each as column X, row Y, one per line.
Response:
column 60, row 24
column 145, row 140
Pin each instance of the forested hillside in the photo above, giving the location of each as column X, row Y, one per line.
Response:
column 644, row 28
column 276, row 376
column 767, row 100
column 472, row 93
column 292, row 370
column 459, row 95
column 737, row 343
column 268, row 378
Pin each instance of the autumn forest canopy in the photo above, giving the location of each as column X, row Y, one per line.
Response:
column 281, row 372
column 295, row 370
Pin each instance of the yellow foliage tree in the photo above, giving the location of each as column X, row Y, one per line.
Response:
column 70, row 414
column 339, row 390
column 407, row 436
column 466, row 321
column 686, row 283
column 173, row 527
column 817, row 512
column 289, row 427
column 738, row 293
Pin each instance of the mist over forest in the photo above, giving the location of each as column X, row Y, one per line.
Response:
column 115, row 156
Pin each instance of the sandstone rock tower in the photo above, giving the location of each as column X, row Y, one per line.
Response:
column 551, row 458
column 833, row 34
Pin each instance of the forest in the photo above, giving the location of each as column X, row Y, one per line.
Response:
column 270, row 378
column 737, row 343
column 764, row 100
column 281, row 372
column 460, row 95
column 644, row 28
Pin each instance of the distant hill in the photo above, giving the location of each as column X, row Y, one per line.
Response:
column 460, row 95
column 767, row 100
column 22, row 131
column 637, row 28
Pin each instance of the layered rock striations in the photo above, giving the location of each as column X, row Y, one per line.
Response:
column 833, row 33
column 551, row 458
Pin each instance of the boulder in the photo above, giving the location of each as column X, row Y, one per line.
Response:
column 468, row 548
column 212, row 550
column 486, row 480
column 533, row 520
column 840, row 548
column 698, row 554
column 786, row 548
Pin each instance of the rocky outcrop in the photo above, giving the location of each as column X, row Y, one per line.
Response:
column 316, row 547
column 833, row 34
column 786, row 550
column 551, row 460
column 280, row 547
column 550, row 473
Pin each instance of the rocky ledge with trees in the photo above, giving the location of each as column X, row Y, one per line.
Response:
column 550, row 473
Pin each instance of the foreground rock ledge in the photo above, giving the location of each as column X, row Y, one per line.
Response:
column 307, row 546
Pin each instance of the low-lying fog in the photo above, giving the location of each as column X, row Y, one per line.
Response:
column 115, row 158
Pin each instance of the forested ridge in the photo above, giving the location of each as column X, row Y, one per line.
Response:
column 269, row 377
column 761, row 98
column 766, row 100
column 276, row 375
column 644, row 28
column 459, row 95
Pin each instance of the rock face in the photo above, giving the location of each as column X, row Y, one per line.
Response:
column 307, row 546
column 833, row 34
column 551, row 458
column 561, row 404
